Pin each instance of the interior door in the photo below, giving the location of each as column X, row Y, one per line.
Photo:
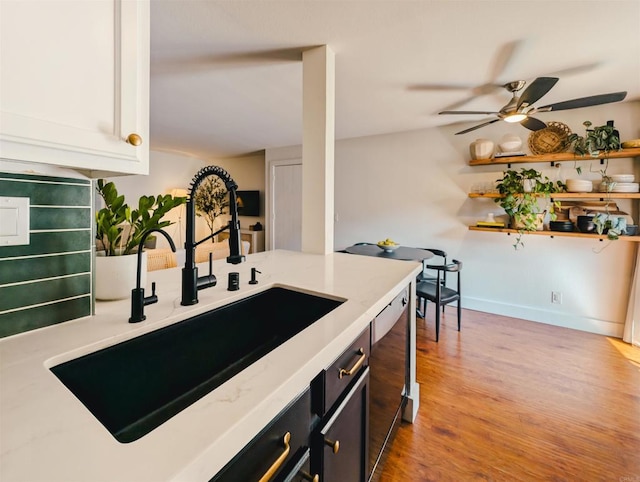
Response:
column 286, row 213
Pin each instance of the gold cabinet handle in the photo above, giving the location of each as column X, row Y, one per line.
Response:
column 280, row 460
column 343, row 372
column 335, row 446
column 134, row 139
column 309, row 477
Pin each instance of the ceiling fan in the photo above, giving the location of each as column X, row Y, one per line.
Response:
column 520, row 107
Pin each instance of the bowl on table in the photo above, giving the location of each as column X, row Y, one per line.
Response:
column 388, row 248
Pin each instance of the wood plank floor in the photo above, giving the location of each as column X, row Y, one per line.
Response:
column 512, row 400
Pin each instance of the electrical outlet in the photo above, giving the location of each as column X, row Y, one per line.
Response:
column 556, row 297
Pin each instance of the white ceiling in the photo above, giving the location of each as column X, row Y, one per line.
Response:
column 226, row 75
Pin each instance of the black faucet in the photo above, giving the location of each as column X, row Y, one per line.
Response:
column 138, row 300
column 191, row 283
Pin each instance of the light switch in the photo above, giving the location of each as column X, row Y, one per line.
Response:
column 14, row 221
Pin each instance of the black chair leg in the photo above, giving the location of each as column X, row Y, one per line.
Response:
column 437, row 323
column 459, row 313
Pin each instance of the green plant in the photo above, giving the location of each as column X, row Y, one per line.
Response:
column 211, row 200
column 612, row 225
column 522, row 204
column 596, row 142
column 120, row 228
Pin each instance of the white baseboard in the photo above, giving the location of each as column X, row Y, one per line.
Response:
column 582, row 323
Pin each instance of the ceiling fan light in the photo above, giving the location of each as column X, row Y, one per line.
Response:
column 515, row 118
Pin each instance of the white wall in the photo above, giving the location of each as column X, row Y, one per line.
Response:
column 412, row 187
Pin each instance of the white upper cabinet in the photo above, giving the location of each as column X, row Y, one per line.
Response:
column 74, row 83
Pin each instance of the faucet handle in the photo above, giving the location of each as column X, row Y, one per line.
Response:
column 254, row 281
column 208, row 280
column 149, row 300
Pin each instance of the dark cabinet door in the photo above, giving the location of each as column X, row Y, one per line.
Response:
column 341, row 444
column 276, row 450
column 334, row 381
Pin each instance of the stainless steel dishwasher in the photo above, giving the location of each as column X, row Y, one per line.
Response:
column 388, row 375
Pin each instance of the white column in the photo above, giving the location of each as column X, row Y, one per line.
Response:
column 318, row 116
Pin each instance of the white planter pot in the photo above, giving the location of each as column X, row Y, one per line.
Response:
column 528, row 185
column 116, row 276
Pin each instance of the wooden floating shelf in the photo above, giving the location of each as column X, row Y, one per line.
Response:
column 558, row 157
column 570, row 195
column 635, row 239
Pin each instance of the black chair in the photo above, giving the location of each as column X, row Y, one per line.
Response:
column 438, row 293
column 426, row 276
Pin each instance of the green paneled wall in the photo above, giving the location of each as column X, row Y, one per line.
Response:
column 47, row 281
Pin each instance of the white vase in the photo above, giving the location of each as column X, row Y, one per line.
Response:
column 116, row 276
column 510, row 143
column 481, row 149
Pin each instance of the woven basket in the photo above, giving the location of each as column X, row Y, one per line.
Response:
column 549, row 140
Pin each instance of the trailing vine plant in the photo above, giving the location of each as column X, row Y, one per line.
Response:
column 523, row 205
column 597, row 142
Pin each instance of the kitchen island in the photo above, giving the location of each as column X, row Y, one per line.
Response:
column 47, row 434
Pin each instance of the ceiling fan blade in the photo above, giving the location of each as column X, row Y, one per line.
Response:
column 533, row 124
column 477, row 127
column 458, row 104
column 440, row 87
column 536, row 90
column 576, row 69
column 504, row 57
column 585, row 102
column 467, row 112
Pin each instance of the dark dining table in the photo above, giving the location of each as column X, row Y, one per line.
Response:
column 403, row 253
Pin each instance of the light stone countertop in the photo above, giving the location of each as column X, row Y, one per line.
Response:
column 46, row 434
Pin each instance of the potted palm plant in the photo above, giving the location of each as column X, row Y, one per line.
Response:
column 521, row 195
column 119, row 230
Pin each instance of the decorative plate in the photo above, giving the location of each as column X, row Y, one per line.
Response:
column 549, row 140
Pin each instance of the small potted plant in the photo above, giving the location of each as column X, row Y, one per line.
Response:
column 119, row 230
column 612, row 226
column 597, row 142
column 522, row 204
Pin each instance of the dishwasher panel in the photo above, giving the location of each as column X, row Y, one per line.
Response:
column 388, row 375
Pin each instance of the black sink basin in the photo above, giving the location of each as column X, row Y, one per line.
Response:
column 137, row 385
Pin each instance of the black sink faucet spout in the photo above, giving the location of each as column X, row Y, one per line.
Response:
column 138, row 300
column 191, row 283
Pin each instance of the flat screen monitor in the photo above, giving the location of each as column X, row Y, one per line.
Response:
column 248, row 203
